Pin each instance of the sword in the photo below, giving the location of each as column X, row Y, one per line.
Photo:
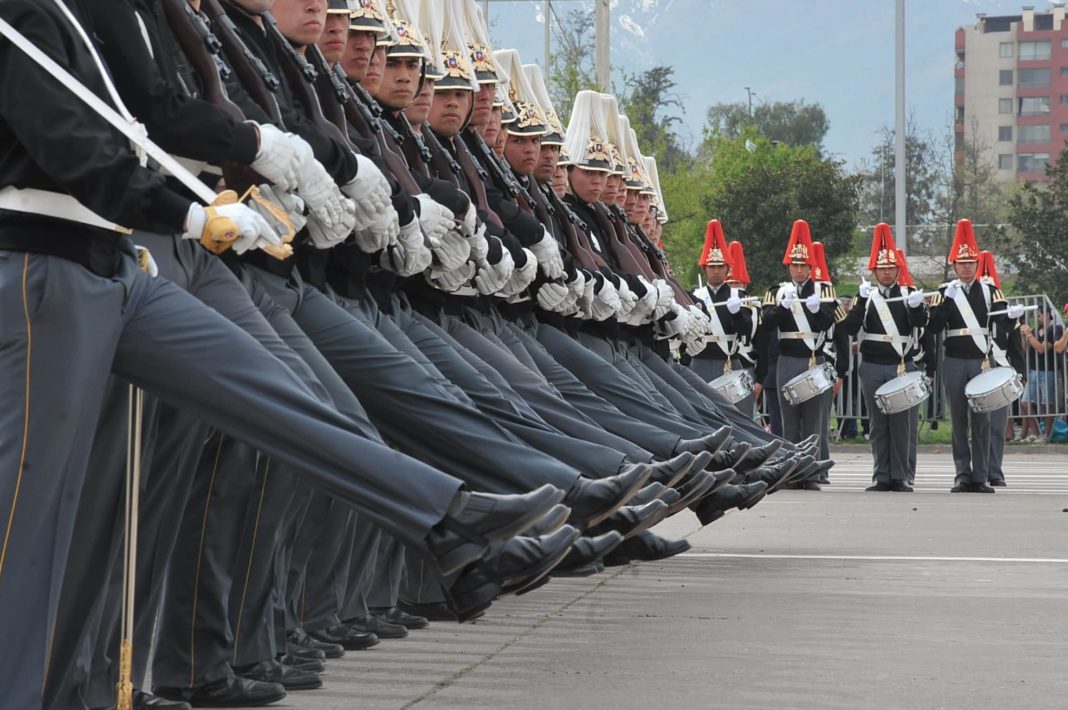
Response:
column 998, row 313
column 134, row 410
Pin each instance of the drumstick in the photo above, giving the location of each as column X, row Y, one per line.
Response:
column 1026, row 308
column 895, row 299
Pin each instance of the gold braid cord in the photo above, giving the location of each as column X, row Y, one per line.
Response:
column 221, row 232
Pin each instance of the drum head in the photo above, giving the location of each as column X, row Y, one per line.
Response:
column 898, row 383
column 988, row 381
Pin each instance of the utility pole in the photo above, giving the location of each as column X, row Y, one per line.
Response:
column 602, row 58
column 547, row 69
column 749, row 93
column 900, row 213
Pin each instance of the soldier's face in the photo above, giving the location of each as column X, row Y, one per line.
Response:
column 547, row 159
column 965, row 270
column 716, row 274
column 885, row 275
column 641, row 206
column 799, row 273
column 560, row 180
column 400, row 80
column 480, row 116
column 301, row 21
column 419, row 109
column 611, row 189
column 335, row 33
column 449, row 110
column 630, row 203
column 373, row 77
column 522, row 153
column 492, row 129
column 587, row 185
column 358, row 50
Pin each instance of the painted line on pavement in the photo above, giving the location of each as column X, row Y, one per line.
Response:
column 876, row 558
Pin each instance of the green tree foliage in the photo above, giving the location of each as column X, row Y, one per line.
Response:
column 1040, row 214
column 650, row 103
column 792, row 122
column 572, row 60
column 757, row 190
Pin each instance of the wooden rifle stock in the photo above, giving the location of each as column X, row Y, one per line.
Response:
column 252, row 74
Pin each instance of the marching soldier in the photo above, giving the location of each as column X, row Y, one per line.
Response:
column 886, row 349
column 799, row 314
column 960, row 310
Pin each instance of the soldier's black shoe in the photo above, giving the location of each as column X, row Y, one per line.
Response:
column 999, row 483
column 961, row 487
column 729, row 458
column 774, row 475
column 299, row 638
column 550, row 522
column 811, row 485
column 878, row 486
column 476, row 520
column 900, row 487
column 593, row 500
column 631, row 520
column 304, row 664
column 981, row 488
column 807, row 467
column 742, row 497
column 710, row 443
column 349, row 638
column 230, row 692
column 646, row 547
column 511, row 567
column 395, row 615
column 587, row 551
column 758, row 456
column 371, row 624
column 288, row 677
column 697, row 491
column 147, row 701
column 668, row 473
column 651, row 492
column 305, row 654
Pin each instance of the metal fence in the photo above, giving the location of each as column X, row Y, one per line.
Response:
column 1044, row 398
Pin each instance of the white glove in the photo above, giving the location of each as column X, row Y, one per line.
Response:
column 1014, row 311
column 608, row 295
column 787, row 296
column 679, row 324
column 953, row 288
column 812, row 303
column 324, row 236
column 288, row 201
column 321, row 194
column 553, row 297
column 645, row 305
column 279, row 157
column 915, row 299
column 450, row 281
column 521, row 276
column 865, row 289
column 370, row 191
column 478, row 244
column 547, row 249
column 734, row 305
column 665, row 298
column 434, row 217
column 250, row 227
column 586, row 299
column 470, row 221
column 409, row 256
column 491, row 277
column 627, row 300
column 146, row 262
column 447, row 243
column 452, row 251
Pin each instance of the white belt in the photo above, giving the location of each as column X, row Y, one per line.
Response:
column 728, row 338
column 796, row 335
column 964, row 332
column 53, row 204
column 465, row 290
column 883, row 338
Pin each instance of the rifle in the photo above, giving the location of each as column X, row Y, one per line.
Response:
column 253, row 74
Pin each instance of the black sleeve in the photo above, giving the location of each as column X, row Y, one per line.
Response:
column 70, row 144
column 842, row 351
column 180, row 124
column 854, row 320
column 525, row 226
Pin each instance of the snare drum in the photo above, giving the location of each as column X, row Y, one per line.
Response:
column 991, row 390
column 810, row 383
column 734, row 386
column 902, row 393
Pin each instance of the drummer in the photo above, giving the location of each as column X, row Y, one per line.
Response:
column 798, row 313
column 731, row 319
column 887, row 349
column 1006, row 351
column 960, row 309
column 835, row 349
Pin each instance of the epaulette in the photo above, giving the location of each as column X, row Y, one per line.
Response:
column 770, row 297
column 839, row 314
column 997, row 295
column 828, row 290
column 856, row 300
column 937, row 298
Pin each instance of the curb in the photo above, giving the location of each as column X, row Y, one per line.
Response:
column 1010, row 448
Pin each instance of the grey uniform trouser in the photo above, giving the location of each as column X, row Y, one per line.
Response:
column 805, row 419
column 164, row 340
column 891, row 434
column 972, row 462
column 999, row 420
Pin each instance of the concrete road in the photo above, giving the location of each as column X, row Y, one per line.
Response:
column 839, row 599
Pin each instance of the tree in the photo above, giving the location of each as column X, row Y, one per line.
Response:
column 572, row 61
column 791, row 122
column 757, row 194
column 1040, row 214
column 647, row 100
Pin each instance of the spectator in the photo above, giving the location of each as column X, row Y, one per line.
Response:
column 1041, row 396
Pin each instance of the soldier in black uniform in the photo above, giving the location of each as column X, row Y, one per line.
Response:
column 887, row 348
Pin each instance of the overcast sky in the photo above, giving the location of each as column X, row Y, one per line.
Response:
column 839, row 53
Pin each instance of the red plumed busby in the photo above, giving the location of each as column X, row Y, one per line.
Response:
column 904, row 276
column 820, row 272
column 799, row 249
column 987, row 269
column 964, row 248
column 883, row 249
column 739, row 271
column 714, row 252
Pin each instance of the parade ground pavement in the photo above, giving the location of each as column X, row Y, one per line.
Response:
column 837, row 599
